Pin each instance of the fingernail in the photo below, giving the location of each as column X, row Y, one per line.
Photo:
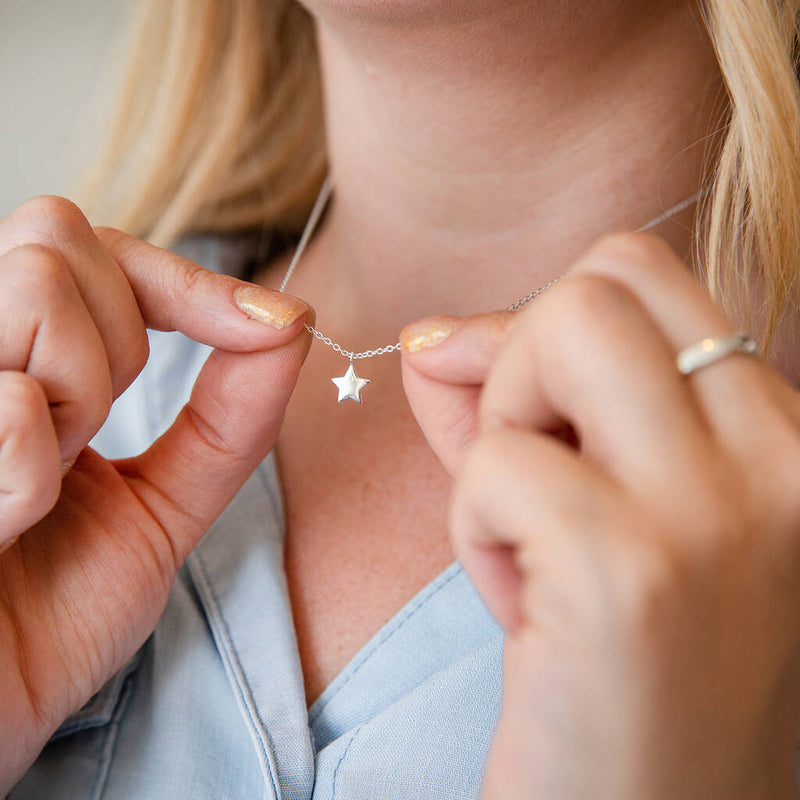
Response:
column 276, row 309
column 427, row 333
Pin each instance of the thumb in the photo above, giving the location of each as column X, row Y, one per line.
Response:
column 227, row 428
column 446, row 361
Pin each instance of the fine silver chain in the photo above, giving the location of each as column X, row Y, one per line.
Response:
column 316, row 213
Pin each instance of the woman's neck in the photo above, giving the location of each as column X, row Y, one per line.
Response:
column 477, row 153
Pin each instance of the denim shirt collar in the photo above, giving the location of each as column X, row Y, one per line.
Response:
column 237, row 570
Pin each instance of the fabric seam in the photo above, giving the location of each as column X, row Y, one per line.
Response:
column 76, row 723
column 341, row 759
column 108, row 747
column 234, row 668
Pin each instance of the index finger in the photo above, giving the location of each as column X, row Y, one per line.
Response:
column 58, row 224
column 731, row 391
column 175, row 294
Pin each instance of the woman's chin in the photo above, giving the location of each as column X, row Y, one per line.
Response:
column 405, row 12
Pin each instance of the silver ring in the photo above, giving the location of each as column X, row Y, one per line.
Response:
column 711, row 350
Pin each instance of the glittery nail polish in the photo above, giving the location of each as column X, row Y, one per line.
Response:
column 427, row 333
column 276, row 309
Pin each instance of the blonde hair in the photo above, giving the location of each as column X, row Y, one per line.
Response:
column 750, row 232
column 219, row 125
column 220, row 128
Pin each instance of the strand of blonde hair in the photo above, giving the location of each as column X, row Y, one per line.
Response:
column 751, row 244
column 219, row 125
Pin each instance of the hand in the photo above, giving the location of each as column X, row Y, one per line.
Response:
column 89, row 558
column 648, row 574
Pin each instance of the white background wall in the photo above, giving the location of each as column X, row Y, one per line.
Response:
column 58, row 63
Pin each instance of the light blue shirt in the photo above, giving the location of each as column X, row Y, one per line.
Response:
column 213, row 705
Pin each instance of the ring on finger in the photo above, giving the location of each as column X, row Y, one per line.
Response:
column 709, row 351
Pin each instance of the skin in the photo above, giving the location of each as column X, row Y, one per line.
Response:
column 643, row 522
column 446, row 166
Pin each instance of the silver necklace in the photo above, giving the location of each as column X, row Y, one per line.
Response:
column 350, row 385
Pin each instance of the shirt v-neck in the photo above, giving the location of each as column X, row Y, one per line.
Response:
column 238, row 573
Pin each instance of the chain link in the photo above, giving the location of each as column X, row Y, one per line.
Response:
column 392, row 348
column 316, row 212
column 533, row 295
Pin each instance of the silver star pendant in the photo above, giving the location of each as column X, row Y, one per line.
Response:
column 350, row 385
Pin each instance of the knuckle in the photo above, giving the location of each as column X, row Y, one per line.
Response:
column 738, row 505
column 718, row 512
column 80, row 420
column 20, row 398
column 30, row 500
column 23, row 410
column 789, row 483
column 209, row 433
column 87, row 404
column 472, row 475
column 108, row 234
column 42, row 270
column 728, row 517
column 187, row 279
column 136, row 357
column 98, row 403
column 641, row 249
column 483, row 459
column 139, row 355
column 52, row 218
column 780, row 478
column 135, row 354
column 714, row 538
column 115, row 241
column 483, row 470
column 654, row 579
column 621, row 255
column 455, row 427
column 583, row 303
